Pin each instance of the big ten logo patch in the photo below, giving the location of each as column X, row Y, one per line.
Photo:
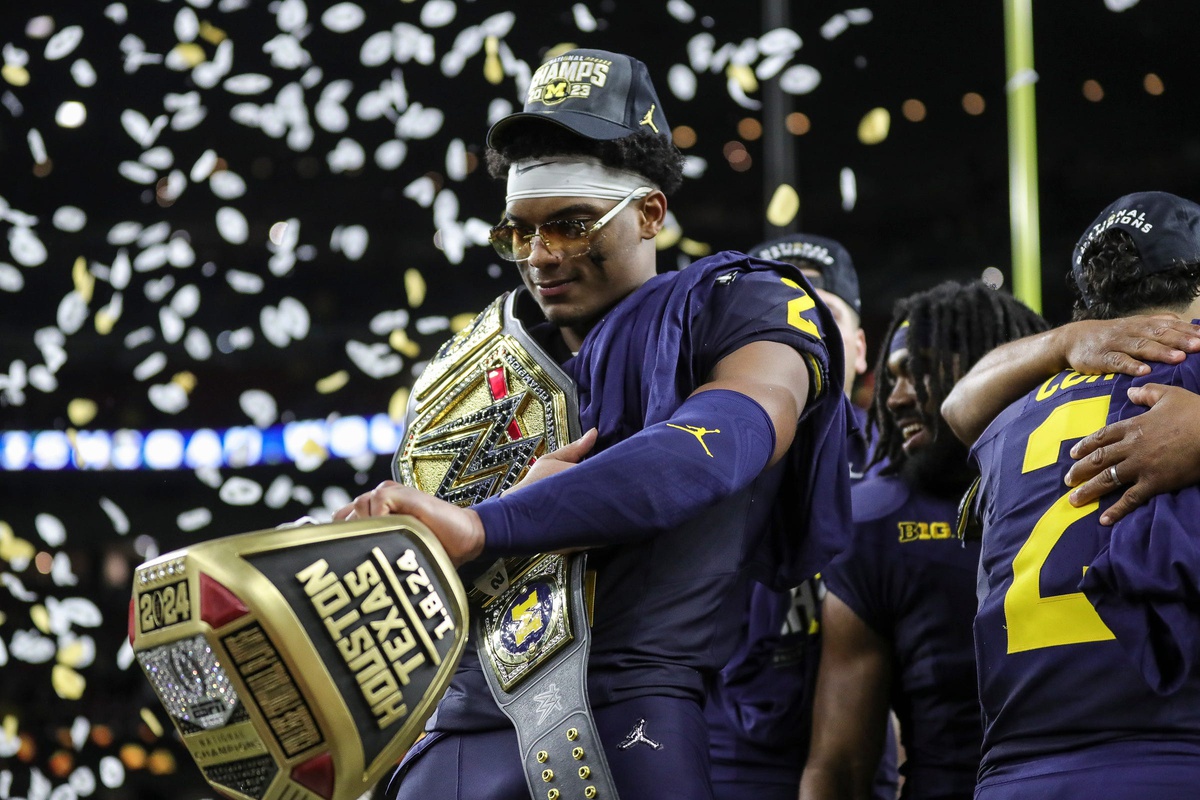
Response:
column 920, row 531
column 569, row 76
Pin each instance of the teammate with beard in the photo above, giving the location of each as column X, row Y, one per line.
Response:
column 900, row 600
column 759, row 709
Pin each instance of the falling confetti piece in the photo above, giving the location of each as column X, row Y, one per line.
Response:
column 399, row 341
column 460, row 321
column 693, row 248
column 414, row 287
column 151, row 721
column 331, row 383
column 84, row 281
column 784, row 206
column 398, row 404
column 68, row 684
column 81, row 411
column 874, row 126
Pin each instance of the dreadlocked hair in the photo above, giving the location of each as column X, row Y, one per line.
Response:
column 1111, row 269
column 950, row 327
column 649, row 154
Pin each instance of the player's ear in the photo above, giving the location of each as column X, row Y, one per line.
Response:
column 652, row 214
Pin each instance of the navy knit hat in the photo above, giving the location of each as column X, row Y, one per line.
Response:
column 826, row 255
column 593, row 93
column 1165, row 230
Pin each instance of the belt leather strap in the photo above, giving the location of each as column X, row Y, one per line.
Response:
column 561, row 752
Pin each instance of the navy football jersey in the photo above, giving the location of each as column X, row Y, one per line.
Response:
column 1086, row 636
column 909, row 578
column 759, row 709
column 664, row 621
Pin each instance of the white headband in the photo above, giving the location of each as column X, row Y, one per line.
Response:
column 569, row 176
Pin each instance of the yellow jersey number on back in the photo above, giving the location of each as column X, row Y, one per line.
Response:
column 797, row 307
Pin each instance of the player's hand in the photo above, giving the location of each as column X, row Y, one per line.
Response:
column 1124, row 345
column 1152, row 453
column 458, row 529
column 563, row 458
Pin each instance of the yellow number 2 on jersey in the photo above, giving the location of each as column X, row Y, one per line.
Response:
column 1035, row 621
column 797, row 307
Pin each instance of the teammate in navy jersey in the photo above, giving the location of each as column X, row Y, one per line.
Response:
column 900, row 600
column 719, row 452
column 759, row 709
column 1088, row 636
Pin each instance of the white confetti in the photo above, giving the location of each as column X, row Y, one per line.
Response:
column 63, row 43
column 32, row 647
column 436, row 13
column 247, row 84
column 682, row 82
column 288, row 322
column 139, row 337
column 157, row 157
column 194, row 519
column 154, row 234
column 69, row 218
column 60, row 570
column 279, row 492
column 849, row 188
column 244, row 282
column 152, row 258
column 681, row 10
column 351, row 241
column 390, row 154
column 583, row 18
column 71, row 611
column 150, row 366
column 197, row 345
column 124, row 233
column 137, row 172
column 232, row 225
column 204, row 166
column 140, row 129
column 209, row 476
column 385, row 322
column 227, row 185
column 116, row 515
column 51, row 529
column 171, row 324
column 239, row 491
column 348, row 156
column 259, row 406
column 13, row 583
column 187, row 25
column 11, row 279
column 343, row 17
column 80, row 728
column 112, row 771
column 799, row 79
column 209, row 73
column 72, row 312
column 427, row 325
column 186, row 301
column 169, row 398
column 116, row 12
column 329, row 112
column 25, row 247
column 377, row 359
column 83, row 73
column 419, row 122
column 82, row 780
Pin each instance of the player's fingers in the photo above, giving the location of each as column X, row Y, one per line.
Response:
column 574, row 452
column 1122, row 362
column 1106, row 436
column 1176, row 333
column 1100, row 483
column 1147, row 394
column 1131, row 499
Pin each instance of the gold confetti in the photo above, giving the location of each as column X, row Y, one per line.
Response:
column 398, row 405
column 13, row 549
column 314, row 448
column 558, row 50
column 161, row 762
column 493, row 70
column 185, row 380
column 105, row 320
column 10, row 726
column 211, row 33
column 414, row 287
column 17, row 76
column 784, row 206
column 331, row 383
column 744, row 76
column 84, row 281
column 189, row 53
column 81, row 411
column 68, row 684
column 3, row 618
column 873, row 128
column 460, row 321
column 151, row 721
column 402, row 344
column 693, row 248
column 72, row 655
column 40, row 617
column 667, row 237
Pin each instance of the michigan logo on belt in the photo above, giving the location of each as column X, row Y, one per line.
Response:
column 301, row 663
column 528, row 624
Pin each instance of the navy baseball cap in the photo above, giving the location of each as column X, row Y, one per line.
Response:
column 826, row 255
column 1165, row 230
column 593, row 93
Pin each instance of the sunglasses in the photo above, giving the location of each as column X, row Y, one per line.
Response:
column 565, row 238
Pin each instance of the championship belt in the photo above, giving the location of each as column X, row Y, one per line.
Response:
column 489, row 403
column 301, row 663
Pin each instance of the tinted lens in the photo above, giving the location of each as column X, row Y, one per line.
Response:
column 563, row 237
column 507, row 240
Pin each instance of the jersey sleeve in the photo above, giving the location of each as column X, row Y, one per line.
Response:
column 858, row 576
column 1145, row 581
column 763, row 304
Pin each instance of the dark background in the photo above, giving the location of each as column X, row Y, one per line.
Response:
column 932, row 204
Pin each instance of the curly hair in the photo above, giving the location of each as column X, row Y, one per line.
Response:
column 653, row 155
column 951, row 326
column 1116, row 286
